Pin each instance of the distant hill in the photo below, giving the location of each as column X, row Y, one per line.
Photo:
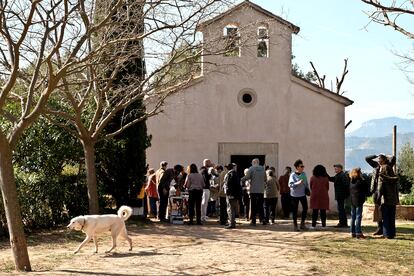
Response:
column 383, row 127
column 356, row 148
column 374, row 137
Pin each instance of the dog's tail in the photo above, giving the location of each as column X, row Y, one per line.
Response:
column 124, row 212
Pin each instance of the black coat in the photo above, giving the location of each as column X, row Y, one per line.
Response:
column 233, row 187
column 358, row 191
column 206, row 176
column 341, row 185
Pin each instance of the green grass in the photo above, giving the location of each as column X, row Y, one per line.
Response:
column 345, row 255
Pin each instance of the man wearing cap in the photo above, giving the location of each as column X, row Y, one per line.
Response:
column 341, row 185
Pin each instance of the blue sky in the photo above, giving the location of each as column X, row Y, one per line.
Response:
column 332, row 30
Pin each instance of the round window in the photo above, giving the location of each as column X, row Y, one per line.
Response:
column 247, row 97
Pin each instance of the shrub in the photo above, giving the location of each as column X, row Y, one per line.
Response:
column 406, row 167
column 405, row 184
column 49, row 183
column 50, row 201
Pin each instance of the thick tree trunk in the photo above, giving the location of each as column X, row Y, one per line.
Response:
column 89, row 152
column 12, row 207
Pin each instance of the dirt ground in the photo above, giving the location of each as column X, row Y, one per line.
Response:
column 165, row 249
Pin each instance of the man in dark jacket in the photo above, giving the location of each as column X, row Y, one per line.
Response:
column 341, row 185
column 232, row 189
column 163, row 191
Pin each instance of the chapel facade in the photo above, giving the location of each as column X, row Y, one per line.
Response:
column 250, row 105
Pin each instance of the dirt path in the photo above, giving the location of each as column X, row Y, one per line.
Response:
column 163, row 249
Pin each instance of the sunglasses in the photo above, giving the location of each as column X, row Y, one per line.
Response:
column 301, row 166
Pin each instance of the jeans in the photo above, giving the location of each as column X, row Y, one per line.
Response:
column 388, row 220
column 315, row 213
column 153, row 206
column 211, row 208
column 356, row 217
column 341, row 212
column 204, row 202
column 286, row 201
column 270, row 209
column 256, row 205
column 194, row 198
column 223, row 210
column 295, row 204
column 232, row 205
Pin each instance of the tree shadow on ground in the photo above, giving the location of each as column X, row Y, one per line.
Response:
column 210, row 230
column 137, row 254
column 85, row 272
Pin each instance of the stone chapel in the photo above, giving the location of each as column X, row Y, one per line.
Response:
column 256, row 108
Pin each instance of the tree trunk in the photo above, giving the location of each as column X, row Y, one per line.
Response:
column 89, row 152
column 12, row 207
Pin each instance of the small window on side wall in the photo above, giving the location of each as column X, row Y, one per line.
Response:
column 262, row 42
column 232, row 41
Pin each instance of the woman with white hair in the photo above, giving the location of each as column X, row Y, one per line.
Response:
column 271, row 193
column 246, row 195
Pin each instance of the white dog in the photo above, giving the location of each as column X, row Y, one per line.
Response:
column 94, row 224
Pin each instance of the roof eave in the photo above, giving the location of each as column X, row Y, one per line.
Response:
column 295, row 29
column 325, row 92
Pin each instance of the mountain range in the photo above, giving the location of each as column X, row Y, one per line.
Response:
column 375, row 136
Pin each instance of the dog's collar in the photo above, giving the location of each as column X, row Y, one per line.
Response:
column 83, row 225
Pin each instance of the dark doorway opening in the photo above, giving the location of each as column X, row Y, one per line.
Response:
column 245, row 161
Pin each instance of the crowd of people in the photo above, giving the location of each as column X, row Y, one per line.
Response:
column 214, row 190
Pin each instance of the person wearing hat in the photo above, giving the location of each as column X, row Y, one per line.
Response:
column 341, row 185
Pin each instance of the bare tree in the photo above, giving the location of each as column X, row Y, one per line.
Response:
column 393, row 13
column 43, row 45
column 339, row 81
column 396, row 14
column 94, row 94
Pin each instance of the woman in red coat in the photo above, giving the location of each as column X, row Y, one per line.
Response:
column 319, row 199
